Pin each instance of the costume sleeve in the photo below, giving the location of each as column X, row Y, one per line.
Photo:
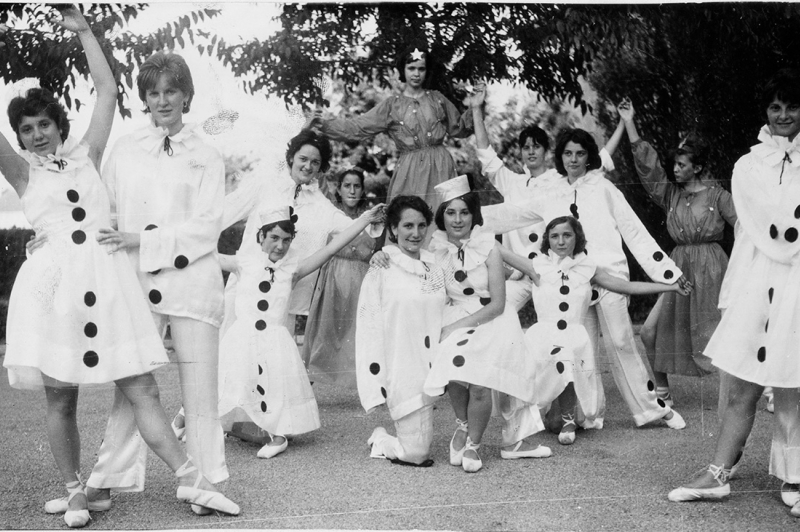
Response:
column 182, row 244
column 651, row 173
column 657, row 264
column 370, row 341
column 504, row 217
column 459, row 125
column 498, row 173
column 362, row 127
column 725, row 206
column 606, row 162
column 241, row 202
column 109, row 178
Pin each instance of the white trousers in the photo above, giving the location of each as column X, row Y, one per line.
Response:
column 784, row 456
column 518, row 418
column 123, row 454
column 631, row 374
column 413, row 440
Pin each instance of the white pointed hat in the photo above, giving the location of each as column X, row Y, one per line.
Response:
column 452, row 188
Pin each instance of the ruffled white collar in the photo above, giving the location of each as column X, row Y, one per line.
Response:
column 773, row 149
column 66, row 159
column 551, row 262
column 151, row 138
column 474, row 249
column 414, row 266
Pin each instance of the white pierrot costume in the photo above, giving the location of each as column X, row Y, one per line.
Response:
column 397, row 331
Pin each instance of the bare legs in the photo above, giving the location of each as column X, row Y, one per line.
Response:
column 648, row 336
column 62, row 433
column 473, row 404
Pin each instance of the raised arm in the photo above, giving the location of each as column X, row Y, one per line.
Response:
column 374, row 215
column 102, row 78
column 519, row 262
column 615, row 284
column 613, row 142
column 476, row 102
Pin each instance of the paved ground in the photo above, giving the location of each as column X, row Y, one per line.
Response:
column 613, row 479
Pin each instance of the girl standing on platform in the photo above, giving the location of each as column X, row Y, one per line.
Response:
column 562, row 277
column 262, row 378
column 329, row 343
column 76, row 315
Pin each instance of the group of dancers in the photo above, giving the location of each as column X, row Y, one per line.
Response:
column 401, row 310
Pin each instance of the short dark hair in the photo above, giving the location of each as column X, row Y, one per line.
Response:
column 340, row 179
column 586, row 141
column 310, row 137
column 784, row 85
column 473, row 202
column 35, row 102
column 394, row 212
column 404, row 57
column 537, row 134
column 580, row 236
column 286, row 225
column 176, row 70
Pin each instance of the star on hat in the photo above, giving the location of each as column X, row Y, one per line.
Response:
column 416, row 55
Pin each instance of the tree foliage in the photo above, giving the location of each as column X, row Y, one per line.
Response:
column 54, row 57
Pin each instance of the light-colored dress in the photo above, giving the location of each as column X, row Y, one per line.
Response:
column 418, row 128
column 558, row 341
column 261, row 376
column 493, row 354
column 696, row 222
column 76, row 312
column 397, row 332
column 329, row 349
column 758, row 337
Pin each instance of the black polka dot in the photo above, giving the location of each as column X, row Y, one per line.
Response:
column 555, row 351
column 91, row 359
column 485, row 301
column 790, row 235
column 374, row 368
column 771, row 293
column 428, row 342
column 766, row 326
column 263, row 406
column 90, row 330
column 264, row 286
column 260, row 369
column 79, row 237
column 661, row 403
column 89, row 299
column 151, row 227
column 773, row 231
column 658, row 256
column 471, row 331
column 532, row 255
column 155, row 296
column 154, row 272
column 261, row 325
column 458, row 361
column 595, row 294
column 650, row 386
column 293, row 218
column 78, row 214
column 668, row 274
column 263, row 305
column 468, row 291
column 533, row 237
column 560, row 367
column 259, row 389
column 181, row 262
column 73, row 195
column 563, row 306
column 762, row 354
column 383, row 392
column 462, row 342
column 797, row 212
column 564, row 290
column 460, row 276
column 561, row 325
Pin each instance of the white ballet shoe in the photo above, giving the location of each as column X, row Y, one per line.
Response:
column 720, row 474
column 201, row 510
column 675, row 422
column 540, row 451
column 457, row 455
column 76, row 518
column 377, row 434
column 270, row 451
column 180, row 432
column 59, row 506
column 212, row 500
column 790, row 494
column 567, row 437
column 471, row 465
